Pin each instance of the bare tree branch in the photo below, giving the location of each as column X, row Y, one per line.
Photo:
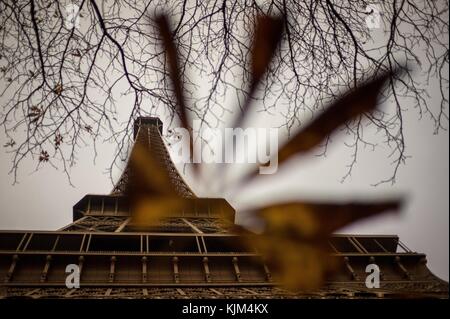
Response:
column 63, row 88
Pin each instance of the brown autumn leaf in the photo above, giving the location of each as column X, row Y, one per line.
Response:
column 355, row 103
column 316, row 220
column 148, row 177
column 295, row 240
column 149, row 188
column 172, row 59
column 58, row 89
column 148, row 211
column 174, row 74
column 35, row 113
column 295, row 265
column 44, row 156
column 351, row 105
column 267, row 37
column 58, row 140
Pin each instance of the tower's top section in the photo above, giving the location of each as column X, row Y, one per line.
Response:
column 147, row 121
column 148, row 135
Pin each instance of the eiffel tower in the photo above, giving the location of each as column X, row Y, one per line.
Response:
column 192, row 253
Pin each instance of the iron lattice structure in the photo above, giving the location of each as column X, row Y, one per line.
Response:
column 190, row 254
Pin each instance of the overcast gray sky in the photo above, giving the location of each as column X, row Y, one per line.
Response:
column 44, row 199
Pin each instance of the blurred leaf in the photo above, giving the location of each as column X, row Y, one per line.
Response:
column 44, row 156
column 268, row 35
column 317, row 220
column 295, row 240
column 357, row 102
column 353, row 104
column 58, row 89
column 174, row 73
column 147, row 211
column 148, row 176
column 295, row 265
